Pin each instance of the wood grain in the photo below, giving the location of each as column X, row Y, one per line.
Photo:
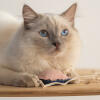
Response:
column 68, row 90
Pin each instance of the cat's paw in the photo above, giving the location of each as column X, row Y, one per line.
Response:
column 27, row 80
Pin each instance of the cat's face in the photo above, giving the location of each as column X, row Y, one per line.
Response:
column 48, row 33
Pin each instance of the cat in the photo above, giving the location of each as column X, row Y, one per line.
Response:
column 42, row 41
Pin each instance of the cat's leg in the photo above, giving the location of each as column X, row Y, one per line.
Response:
column 12, row 78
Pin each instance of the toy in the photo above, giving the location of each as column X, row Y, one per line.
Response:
column 53, row 77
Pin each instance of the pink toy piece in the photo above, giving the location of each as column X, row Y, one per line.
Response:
column 52, row 74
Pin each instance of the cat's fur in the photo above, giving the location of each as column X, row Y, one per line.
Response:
column 27, row 54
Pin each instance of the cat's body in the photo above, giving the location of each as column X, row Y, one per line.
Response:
column 27, row 53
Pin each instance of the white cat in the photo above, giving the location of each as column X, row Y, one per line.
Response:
column 42, row 41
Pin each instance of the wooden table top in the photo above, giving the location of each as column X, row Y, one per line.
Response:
column 68, row 90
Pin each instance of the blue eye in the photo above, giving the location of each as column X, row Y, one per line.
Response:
column 43, row 33
column 64, row 32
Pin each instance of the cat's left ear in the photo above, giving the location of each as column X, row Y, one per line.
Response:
column 70, row 14
column 28, row 14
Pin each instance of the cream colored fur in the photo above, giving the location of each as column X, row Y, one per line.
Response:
column 19, row 64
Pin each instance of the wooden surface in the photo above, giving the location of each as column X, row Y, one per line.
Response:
column 68, row 90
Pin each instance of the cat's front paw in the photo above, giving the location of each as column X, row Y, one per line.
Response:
column 27, row 80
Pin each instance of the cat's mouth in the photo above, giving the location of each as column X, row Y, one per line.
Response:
column 57, row 50
column 54, row 51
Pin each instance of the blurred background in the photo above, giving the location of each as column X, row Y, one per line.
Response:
column 87, row 23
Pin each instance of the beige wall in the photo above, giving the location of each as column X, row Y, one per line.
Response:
column 87, row 22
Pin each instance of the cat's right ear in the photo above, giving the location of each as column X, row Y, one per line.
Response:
column 28, row 14
column 70, row 14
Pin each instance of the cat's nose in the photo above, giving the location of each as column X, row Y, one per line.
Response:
column 56, row 44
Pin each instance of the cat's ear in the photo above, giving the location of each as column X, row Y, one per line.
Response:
column 70, row 13
column 28, row 14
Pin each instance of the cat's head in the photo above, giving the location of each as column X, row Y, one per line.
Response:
column 49, row 33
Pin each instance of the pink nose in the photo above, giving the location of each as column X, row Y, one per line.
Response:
column 56, row 44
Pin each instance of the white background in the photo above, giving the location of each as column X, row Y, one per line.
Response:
column 54, row 98
column 87, row 22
